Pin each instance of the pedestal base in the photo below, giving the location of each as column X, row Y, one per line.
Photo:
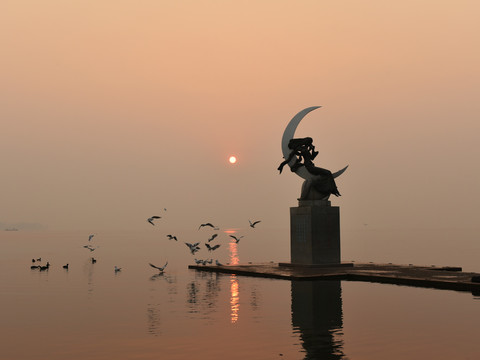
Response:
column 317, row 266
column 315, row 233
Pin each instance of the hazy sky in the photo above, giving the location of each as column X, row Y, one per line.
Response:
column 112, row 110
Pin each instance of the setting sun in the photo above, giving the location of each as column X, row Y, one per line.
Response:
column 232, row 159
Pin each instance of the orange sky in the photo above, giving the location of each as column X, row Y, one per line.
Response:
column 113, row 110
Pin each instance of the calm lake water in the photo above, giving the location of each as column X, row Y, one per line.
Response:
column 91, row 312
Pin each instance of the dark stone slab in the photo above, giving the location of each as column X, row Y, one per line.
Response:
column 448, row 268
column 410, row 275
column 476, row 279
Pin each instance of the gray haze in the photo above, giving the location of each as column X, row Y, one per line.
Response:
column 111, row 113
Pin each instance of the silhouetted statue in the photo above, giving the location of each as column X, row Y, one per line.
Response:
column 321, row 181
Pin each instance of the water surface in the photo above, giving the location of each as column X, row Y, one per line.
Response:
column 89, row 311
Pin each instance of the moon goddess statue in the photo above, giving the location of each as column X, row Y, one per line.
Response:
column 299, row 154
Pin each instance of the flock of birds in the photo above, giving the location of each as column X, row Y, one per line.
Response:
column 193, row 248
column 42, row 267
column 47, row 265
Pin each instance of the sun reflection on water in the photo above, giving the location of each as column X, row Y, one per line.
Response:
column 233, row 247
column 234, row 299
column 234, row 293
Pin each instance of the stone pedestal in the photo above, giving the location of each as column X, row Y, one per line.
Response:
column 315, row 233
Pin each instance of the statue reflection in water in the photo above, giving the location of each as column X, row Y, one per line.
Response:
column 317, row 318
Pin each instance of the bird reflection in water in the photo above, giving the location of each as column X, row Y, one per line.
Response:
column 318, row 318
column 171, row 280
column 203, row 291
column 254, row 299
column 162, row 276
column 212, row 289
column 234, row 299
column 192, row 299
column 157, row 296
column 154, row 319
column 88, row 269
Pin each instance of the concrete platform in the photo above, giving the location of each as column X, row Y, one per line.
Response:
column 447, row 278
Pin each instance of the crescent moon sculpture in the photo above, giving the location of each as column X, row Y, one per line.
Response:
column 288, row 135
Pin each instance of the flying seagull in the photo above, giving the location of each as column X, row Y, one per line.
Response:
column 193, row 247
column 235, row 238
column 213, row 237
column 90, row 237
column 171, row 237
column 194, row 250
column 91, row 248
column 252, row 225
column 117, row 269
column 207, row 224
column 160, row 268
column 150, row 219
column 211, row 248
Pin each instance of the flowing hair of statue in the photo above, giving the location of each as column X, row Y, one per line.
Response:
column 300, row 147
column 304, row 152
